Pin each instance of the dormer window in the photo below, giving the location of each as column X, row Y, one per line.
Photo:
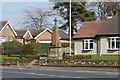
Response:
column 87, row 44
column 114, row 43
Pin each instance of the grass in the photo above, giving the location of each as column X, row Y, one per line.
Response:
column 6, row 57
column 104, row 57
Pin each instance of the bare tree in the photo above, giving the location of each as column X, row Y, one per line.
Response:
column 103, row 8
column 38, row 18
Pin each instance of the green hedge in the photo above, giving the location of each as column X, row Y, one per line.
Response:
column 41, row 47
column 12, row 47
column 67, row 56
column 67, row 45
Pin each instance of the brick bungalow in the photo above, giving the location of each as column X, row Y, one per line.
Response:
column 45, row 36
column 7, row 33
column 23, row 36
column 98, row 37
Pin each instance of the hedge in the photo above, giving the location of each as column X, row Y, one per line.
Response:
column 67, row 56
column 41, row 47
column 12, row 47
column 67, row 45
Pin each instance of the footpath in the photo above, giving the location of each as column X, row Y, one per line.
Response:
column 38, row 67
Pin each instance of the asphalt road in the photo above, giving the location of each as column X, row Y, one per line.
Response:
column 30, row 73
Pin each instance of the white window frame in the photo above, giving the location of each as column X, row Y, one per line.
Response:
column 10, row 39
column 45, row 41
column 1, row 39
column 114, row 39
column 84, row 42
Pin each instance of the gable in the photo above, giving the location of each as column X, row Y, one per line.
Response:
column 27, row 35
column 45, row 36
column 7, row 31
column 3, row 25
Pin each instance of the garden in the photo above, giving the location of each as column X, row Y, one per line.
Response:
column 85, row 60
column 14, row 52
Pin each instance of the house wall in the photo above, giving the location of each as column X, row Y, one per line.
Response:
column 45, row 36
column 64, row 41
column 20, row 40
column 104, row 46
column 7, row 32
column 27, row 36
column 78, row 47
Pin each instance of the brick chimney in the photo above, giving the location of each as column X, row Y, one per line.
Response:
column 110, row 14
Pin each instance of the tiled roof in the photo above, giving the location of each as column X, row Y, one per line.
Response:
column 63, row 35
column 110, row 26
column 20, row 33
column 88, row 29
column 2, row 24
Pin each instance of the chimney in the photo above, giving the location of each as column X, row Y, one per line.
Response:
column 110, row 14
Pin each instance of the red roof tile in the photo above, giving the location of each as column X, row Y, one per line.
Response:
column 88, row 29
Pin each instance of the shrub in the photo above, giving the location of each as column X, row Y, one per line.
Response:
column 67, row 45
column 64, row 55
column 43, row 55
column 12, row 47
column 41, row 47
column 76, row 56
column 29, row 51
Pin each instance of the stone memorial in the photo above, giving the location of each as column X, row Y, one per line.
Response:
column 55, row 51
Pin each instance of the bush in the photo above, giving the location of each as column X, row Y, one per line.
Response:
column 41, row 48
column 29, row 51
column 67, row 45
column 67, row 56
column 64, row 55
column 12, row 47
column 43, row 55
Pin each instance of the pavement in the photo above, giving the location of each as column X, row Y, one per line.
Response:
column 38, row 73
column 102, row 69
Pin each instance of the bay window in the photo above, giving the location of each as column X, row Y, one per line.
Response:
column 87, row 44
column 114, row 43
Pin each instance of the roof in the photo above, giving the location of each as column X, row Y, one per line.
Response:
column 110, row 26
column 2, row 24
column 63, row 35
column 88, row 29
column 21, row 33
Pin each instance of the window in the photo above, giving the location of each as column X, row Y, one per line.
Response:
column 2, row 39
column 87, row 44
column 114, row 43
column 10, row 39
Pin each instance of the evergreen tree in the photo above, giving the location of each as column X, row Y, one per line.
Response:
column 79, row 13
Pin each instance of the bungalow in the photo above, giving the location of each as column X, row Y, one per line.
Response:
column 23, row 36
column 98, row 37
column 45, row 36
column 7, row 33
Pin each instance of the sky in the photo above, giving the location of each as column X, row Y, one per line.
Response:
column 15, row 11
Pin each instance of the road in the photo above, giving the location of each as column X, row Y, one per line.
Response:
column 30, row 73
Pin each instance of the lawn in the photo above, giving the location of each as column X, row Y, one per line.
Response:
column 6, row 57
column 104, row 57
